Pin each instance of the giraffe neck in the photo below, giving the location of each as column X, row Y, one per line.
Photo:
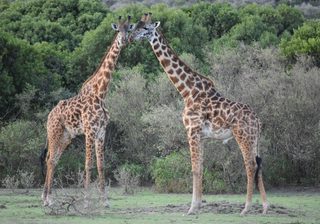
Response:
column 187, row 82
column 98, row 82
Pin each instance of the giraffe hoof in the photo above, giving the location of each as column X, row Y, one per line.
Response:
column 47, row 201
column 265, row 208
column 86, row 205
column 106, row 204
column 191, row 212
column 244, row 212
column 45, row 204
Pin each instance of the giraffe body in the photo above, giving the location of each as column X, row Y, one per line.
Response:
column 207, row 114
column 86, row 114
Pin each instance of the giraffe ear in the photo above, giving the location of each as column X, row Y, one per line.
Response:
column 156, row 24
column 131, row 27
column 114, row 26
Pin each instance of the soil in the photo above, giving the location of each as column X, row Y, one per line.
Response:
column 222, row 207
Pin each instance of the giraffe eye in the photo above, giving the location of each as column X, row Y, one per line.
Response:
column 145, row 28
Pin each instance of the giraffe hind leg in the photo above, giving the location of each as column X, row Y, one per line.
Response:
column 100, row 167
column 246, row 148
column 56, row 145
column 250, row 168
column 253, row 169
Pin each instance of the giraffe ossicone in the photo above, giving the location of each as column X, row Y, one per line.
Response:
column 85, row 113
column 207, row 114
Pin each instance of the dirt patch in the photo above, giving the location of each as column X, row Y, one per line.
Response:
column 33, row 206
column 222, row 207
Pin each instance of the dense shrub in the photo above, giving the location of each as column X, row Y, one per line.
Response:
column 22, row 179
column 127, row 105
column 218, row 19
column 172, row 174
column 304, row 41
column 21, row 143
column 249, row 30
column 212, row 183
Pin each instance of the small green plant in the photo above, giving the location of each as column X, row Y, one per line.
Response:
column 129, row 177
column 10, row 182
column 22, row 179
column 26, row 179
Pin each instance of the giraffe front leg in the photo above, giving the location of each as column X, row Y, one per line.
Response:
column 100, row 167
column 49, row 175
column 88, row 168
column 197, row 172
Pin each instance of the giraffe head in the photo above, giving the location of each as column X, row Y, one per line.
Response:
column 144, row 29
column 123, row 27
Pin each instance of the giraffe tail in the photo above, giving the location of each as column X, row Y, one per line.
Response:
column 42, row 159
column 258, row 159
column 256, row 175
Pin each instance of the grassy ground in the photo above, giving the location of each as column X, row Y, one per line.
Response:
column 148, row 207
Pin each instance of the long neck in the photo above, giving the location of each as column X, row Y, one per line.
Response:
column 187, row 82
column 98, row 83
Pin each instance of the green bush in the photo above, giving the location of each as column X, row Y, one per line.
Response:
column 249, row 30
column 212, row 183
column 268, row 39
column 126, row 106
column 172, row 174
column 217, row 18
column 21, row 143
column 304, row 41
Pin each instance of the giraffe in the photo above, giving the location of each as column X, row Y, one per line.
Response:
column 207, row 114
column 86, row 114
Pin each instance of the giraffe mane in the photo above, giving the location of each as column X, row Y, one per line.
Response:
column 198, row 74
column 97, row 68
column 123, row 23
column 146, row 19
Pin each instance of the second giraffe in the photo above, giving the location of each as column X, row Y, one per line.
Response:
column 207, row 114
